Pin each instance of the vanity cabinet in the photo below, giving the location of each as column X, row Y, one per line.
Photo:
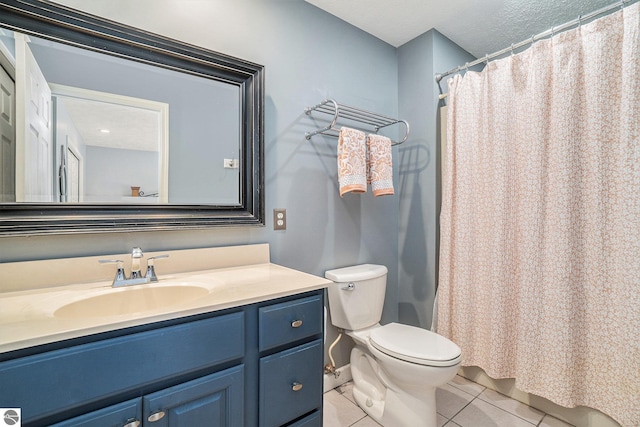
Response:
column 255, row 365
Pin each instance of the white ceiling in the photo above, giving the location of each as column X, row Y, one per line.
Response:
column 479, row 26
column 129, row 128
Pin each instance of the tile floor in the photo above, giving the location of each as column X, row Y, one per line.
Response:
column 460, row 403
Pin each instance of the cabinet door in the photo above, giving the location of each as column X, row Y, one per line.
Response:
column 125, row 414
column 214, row 400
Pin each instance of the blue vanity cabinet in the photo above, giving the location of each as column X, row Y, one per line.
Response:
column 258, row 365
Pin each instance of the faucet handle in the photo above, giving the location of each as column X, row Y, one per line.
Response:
column 151, row 271
column 136, row 252
column 119, row 269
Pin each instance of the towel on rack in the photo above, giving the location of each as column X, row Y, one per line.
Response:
column 379, row 165
column 352, row 161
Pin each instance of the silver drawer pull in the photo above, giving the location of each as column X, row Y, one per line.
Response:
column 132, row 423
column 296, row 386
column 296, row 323
column 156, row 416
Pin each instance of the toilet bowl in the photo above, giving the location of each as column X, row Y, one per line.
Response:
column 396, row 368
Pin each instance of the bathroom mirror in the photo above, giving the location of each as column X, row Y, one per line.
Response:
column 118, row 129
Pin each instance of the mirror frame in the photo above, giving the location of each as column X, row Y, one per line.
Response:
column 59, row 23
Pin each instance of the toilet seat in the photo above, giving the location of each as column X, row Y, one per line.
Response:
column 415, row 345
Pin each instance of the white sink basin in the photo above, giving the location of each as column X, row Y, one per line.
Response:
column 131, row 300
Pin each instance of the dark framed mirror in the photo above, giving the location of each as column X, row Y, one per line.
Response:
column 117, row 129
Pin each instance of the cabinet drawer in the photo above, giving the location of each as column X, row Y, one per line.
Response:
column 60, row 380
column 290, row 384
column 290, row 321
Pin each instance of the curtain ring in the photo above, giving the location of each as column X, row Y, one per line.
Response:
column 579, row 21
column 511, row 48
column 553, row 31
column 621, row 4
column 486, row 58
column 466, row 66
column 533, row 37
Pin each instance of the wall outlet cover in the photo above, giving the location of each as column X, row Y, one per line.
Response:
column 279, row 219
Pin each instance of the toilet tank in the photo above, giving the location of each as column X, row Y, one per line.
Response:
column 356, row 297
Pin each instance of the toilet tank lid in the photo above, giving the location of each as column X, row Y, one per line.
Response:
column 356, row 273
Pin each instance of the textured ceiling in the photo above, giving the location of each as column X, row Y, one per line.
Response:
column 478, row 26
column 130, row 128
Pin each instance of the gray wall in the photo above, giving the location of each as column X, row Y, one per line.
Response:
column 418, row 62
column 111, row 172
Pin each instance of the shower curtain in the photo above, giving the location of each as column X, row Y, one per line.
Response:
column 540, row 223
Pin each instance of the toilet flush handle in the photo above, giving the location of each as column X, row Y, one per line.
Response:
column 350, row 287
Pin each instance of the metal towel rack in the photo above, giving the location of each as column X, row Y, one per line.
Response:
column 331, row 107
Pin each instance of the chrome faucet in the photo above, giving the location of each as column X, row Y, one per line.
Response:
column 136, row 277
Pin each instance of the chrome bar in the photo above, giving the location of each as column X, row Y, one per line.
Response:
column 347, row 112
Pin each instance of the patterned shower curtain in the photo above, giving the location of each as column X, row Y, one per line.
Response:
column 540, row 222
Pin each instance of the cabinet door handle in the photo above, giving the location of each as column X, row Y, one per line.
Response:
column 156, row 416
column 132, row 423
column 296, row 323
column 296, row 386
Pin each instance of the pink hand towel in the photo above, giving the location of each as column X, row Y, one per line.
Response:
column 352, row 161
column 380, row 165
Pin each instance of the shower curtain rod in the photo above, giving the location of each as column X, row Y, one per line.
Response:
column 551, row 32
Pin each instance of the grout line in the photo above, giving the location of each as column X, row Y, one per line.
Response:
column 357, row 421
column 462, row 409
column 503, row 410
column 461, row 389
column 512, row 413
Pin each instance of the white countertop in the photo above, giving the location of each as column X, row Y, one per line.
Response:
column 27, row 317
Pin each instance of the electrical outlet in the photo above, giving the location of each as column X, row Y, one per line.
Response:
column 279, row 219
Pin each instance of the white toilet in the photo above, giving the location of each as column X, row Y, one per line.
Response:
column 396, row 368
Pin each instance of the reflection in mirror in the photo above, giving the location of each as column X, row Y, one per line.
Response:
column 108, row 148
column 105, row 127
column 203, row 117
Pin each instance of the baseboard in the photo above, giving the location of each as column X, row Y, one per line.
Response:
column 341, row 376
